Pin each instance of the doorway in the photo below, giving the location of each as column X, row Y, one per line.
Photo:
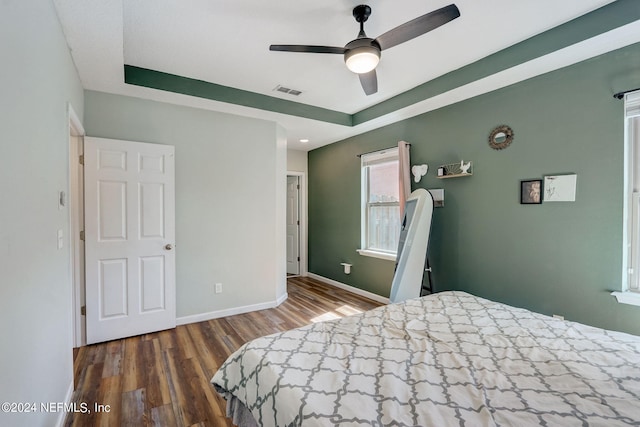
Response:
column 296, row 224
column 130, row 289
column 293, row 225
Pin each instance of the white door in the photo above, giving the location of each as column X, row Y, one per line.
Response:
column 293, row 225
column 129, row 238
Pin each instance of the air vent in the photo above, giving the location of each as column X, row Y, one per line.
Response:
column 290, row 91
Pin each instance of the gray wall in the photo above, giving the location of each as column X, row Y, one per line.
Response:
column 230, row 186
column 561, row 258
column 36, row 333
column 297, row 161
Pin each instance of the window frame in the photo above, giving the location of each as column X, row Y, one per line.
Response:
column 630, row 293
column 366, row 160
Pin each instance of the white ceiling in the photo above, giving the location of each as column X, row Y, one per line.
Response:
column 226, row 42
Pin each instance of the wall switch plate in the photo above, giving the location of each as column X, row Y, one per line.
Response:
column 218, row 288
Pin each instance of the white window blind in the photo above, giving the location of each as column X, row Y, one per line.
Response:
column 632, row 104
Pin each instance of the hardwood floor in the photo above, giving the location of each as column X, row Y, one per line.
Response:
column 162, row 379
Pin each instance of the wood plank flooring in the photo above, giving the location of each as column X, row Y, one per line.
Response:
column 162, row 379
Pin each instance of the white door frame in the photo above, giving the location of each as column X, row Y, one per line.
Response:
column 302, row 201
column 76, row 251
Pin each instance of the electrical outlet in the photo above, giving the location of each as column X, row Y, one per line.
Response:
column 218, row 288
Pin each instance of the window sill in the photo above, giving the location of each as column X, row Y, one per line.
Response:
column 375, row 254
column 627, row 297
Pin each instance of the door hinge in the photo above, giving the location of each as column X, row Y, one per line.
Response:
column 298, row 259
column 298, row 186
column 82, row 235
column 83, row 310
column 298, row 222
column 81, row 159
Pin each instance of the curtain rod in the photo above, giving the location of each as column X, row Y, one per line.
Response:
column 621, row 95
column 382, row 149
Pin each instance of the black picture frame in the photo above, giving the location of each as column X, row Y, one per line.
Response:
column 531, row 192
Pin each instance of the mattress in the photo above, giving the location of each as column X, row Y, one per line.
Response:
column 445, row 359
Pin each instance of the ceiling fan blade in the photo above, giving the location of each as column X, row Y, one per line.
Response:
column 419, row 26
column 306, row 49
column 369, row 82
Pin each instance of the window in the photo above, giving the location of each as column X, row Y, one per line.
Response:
column 631, row 239
column 380, row 204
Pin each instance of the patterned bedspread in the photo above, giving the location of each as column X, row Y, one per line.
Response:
column 447, row 359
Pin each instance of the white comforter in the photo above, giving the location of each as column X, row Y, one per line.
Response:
column 447, row 359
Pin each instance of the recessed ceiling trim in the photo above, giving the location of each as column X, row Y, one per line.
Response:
column 599, row 21
column 178, row 84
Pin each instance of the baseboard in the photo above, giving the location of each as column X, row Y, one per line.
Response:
column 203, row 317
column 349, row 288
column 282, row 299
column 62, row 415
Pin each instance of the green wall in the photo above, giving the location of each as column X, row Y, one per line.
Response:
column 554, row 258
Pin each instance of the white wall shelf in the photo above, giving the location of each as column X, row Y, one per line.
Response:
column 455, row 170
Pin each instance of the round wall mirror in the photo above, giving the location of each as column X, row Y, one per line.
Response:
column 500, row 137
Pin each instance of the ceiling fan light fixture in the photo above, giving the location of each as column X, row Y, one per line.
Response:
column 362, row 59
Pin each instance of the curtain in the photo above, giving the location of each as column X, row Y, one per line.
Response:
column 405, row 175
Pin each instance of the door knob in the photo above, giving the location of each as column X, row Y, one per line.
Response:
column 168, row 247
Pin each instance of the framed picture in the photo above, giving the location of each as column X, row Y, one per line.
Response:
column 531, row 192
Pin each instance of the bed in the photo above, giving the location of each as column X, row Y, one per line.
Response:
column 442, row 360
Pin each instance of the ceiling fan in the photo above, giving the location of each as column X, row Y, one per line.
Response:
column 363, row 54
